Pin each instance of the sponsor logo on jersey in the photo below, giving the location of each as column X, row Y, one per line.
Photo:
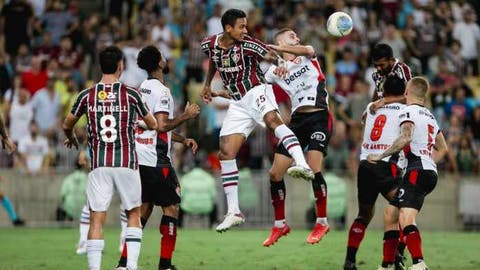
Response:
column 230, row 69
column 254, row 47
column 102, row 95
column 105, row 97
column 146, row 91
column 293, row 76
column 319, row 136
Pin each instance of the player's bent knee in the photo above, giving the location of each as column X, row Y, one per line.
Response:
column 171, row 210
column 275, row 176
column 272, row 120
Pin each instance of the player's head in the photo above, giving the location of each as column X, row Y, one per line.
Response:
column 394, row 86
column 417, row 88
column 150, row 59
column 382, row 58
column 286, row 36
column 111, row 60
column 234, row 23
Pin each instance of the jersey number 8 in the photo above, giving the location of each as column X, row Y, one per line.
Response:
column 108, row 132
column 377, row 129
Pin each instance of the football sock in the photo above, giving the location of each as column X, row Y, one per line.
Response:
column 401, row 245
column 168, row 230
column 390, row 244
column 84, row 225
column 414, row 243
column 290, row 142
column 320, row 191
column 230, row 184
column 123, row 226
column 94, row 253
column 123, row 257
column 277, row 192
column 355, row 236
column 9, row 208
column 133, row 240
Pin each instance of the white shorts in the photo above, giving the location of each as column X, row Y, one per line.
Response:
column 102, row 182
column 243, row 115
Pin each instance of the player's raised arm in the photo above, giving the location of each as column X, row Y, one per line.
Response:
column 298, row 50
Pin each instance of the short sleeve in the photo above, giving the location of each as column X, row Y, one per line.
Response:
column 80, row 104
column 163, row 103
column 255, row 47
column 205, row 45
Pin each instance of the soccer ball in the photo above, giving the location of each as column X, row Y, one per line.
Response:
column 339, row 24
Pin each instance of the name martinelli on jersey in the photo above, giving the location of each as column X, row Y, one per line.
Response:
column 112, row 108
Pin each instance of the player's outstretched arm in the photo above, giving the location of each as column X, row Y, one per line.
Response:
column 187, row 142
column 299, row 50
column 441, row 148
column 67, row 126
column 406, row 133
column 165, row 124
column 150, row 121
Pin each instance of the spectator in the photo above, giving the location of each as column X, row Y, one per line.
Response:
column 467, row 159
column 58, row 21
column 352, row 109
column 6, row 73
column 33, row 151
column 474, row 125
column 20, row 115
column 391, row 38
column 47, row 108
column 163, row 37
column 459, row 106
column 36, row 78
column 338, row 152
column 23, row 59
column 468, row 33
column 72, row 191
column 214, row 24
column 15, row 18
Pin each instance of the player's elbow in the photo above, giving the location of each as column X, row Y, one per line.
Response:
column 162, row 127
column 309, row 51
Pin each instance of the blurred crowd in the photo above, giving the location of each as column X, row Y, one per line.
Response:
column 48, row 53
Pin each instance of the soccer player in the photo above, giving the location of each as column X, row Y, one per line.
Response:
column 380, row 131
column 8, row 144
column 160, row 185
column 112, row 110
column 419, row 137
column 237, row 57
column 386, row 64
column 312, row 124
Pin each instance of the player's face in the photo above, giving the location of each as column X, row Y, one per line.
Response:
column 239, row 30
column 290, row 38
column 383, row 65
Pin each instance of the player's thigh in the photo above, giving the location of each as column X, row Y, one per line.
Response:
column 127, row 183
column 415, row 186
column 100, row 189
column 367, row 191
column 160, row 186
column 319, row 126
column 262, row 106
column 389, row 180
column 238, row 120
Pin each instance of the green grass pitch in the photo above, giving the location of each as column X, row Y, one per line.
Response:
column 52, row 249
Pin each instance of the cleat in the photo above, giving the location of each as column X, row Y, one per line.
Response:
column 399, row 262
column 82, row 248
column 318, row 232
column 18, row 222
column 348, row 265
column 120, row 268
column 419, row 266
column 275, row 234
column 389, row 267
column 300, row 172
column 172, row 267
column 230, row 220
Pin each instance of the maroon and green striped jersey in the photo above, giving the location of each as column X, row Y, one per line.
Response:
column 111, row 110
column 239, row 66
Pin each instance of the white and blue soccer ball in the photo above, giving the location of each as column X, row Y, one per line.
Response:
column 339, row 24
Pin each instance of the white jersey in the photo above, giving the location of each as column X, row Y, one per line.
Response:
column 419, row 151
column 305, row 83
column 153, row 148
column 381, row 129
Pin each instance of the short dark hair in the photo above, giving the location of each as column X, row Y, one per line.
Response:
column 382, row 50
column 394, row 86
column 109, row 58
column 148, row 58
column 230, row 17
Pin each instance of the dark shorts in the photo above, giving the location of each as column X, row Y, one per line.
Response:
column 415, row 185
column 373, row 179
column 159, row 185
column 312, row 129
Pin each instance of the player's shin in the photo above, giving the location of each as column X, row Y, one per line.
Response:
column 230, row 184
column 94, row 253
column 291, row 143
column 320, row 192
column 133, row 240
column 168, row 230
column 414, row 243
column 390, row 244
column 277, row 192
column 355, row 237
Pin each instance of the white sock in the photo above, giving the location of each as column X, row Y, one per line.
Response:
column 322, row 220
column 279, row 223
column 84, row 225
column 133, row 238
column 123, row 226
column 94, row 253
column 230, row 184
column 291, row 143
